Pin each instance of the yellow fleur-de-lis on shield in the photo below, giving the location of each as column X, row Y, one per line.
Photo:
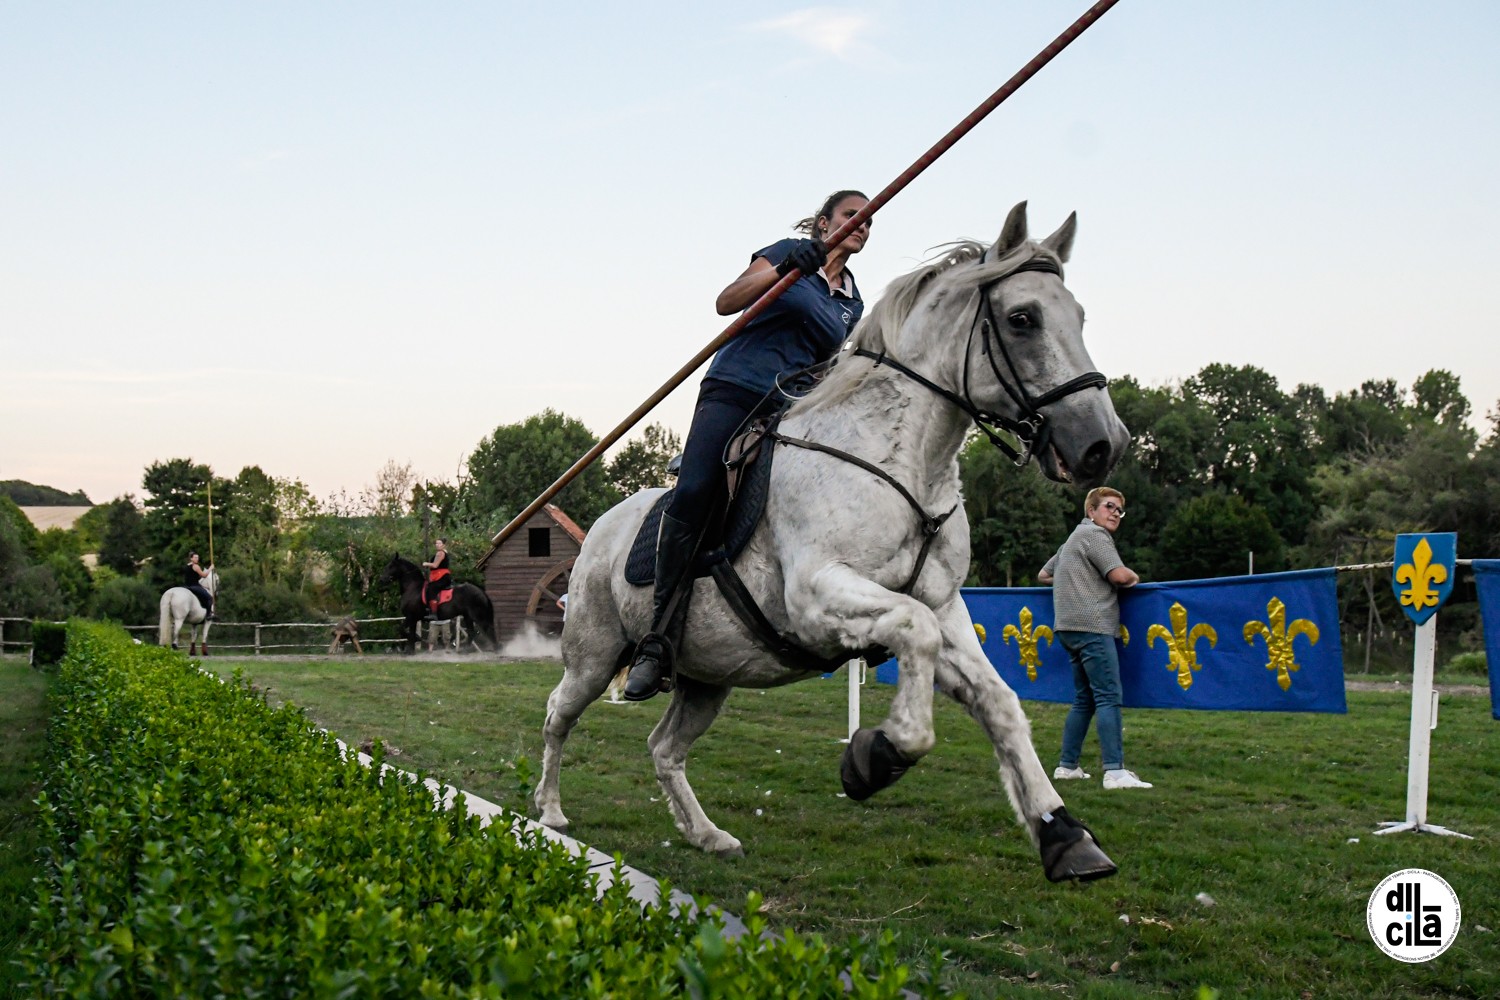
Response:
column 1027, row 639
column 1421, row 573
column 1279, row 635
column 1181, row 643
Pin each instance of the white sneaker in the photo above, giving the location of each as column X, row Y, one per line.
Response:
column 1123, row 779
column 1069, row 773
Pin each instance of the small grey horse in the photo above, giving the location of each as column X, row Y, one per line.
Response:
column 847, row 558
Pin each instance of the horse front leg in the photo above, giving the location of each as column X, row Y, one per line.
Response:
column 1067, row 847
column 694, row 707
column 863, row 614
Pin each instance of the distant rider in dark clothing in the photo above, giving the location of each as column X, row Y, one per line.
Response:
column 192, row 578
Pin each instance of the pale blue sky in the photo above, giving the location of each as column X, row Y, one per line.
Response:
column 275, row 233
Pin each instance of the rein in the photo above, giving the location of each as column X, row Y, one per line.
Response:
column 1033, row 429
column 931, row 524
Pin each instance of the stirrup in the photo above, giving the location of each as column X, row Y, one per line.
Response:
column 651, row 672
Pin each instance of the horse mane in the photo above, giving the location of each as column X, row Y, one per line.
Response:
column 878, row 328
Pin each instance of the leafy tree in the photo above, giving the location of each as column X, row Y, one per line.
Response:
column 22, row 532
column 1211, row 536
column 122, row 535
column 642, row 463
column 1260, row 448
column 177, row 520
column 512, row 466
column 128, row 600
column 1017, row 519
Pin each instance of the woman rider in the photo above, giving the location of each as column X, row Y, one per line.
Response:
column 803, row 327
column 192, row 578
column 438, row 577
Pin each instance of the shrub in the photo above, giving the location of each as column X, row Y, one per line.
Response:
column 48, row 641
column 1469, row 663
column 201, row 843
column 128, row 600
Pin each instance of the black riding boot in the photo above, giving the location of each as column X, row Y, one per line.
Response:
column 676, row 544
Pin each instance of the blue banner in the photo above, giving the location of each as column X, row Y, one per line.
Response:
column 1267, row 643
column 1487, row 577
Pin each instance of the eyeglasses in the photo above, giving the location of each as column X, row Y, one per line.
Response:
column 1113, row 507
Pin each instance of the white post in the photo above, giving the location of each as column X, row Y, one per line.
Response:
column 1252, row 562
column 1423, row 722
column 854, row 667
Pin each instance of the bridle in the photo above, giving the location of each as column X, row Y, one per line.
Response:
column 1033, row 429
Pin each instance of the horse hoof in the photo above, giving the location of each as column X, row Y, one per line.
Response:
column 1069, row 850
column 871, row 762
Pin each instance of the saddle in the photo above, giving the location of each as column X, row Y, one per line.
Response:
column 748, row 477
column 748, row 473
column 433, row 599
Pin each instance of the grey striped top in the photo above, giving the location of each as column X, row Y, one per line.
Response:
column 1083, row 599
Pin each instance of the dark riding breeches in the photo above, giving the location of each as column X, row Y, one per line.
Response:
column 204, row 597
column 722, row 408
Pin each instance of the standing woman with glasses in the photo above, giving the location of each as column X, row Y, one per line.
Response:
column 1084, row 575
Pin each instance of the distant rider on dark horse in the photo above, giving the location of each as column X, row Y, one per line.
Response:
column 192, row 579
column 438, row 579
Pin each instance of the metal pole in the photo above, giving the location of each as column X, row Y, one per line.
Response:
column 922, row 162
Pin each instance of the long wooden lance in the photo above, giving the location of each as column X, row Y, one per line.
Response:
column 924, row 161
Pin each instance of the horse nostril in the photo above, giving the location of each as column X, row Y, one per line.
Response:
column 1095, row 461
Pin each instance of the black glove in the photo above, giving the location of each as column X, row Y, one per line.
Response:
column 807, row 256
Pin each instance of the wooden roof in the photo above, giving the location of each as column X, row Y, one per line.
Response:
column 553, row 511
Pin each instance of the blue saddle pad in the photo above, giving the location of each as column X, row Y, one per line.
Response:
column 744, row 514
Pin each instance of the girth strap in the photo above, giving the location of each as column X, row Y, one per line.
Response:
column 931, row 524
column 784, row 647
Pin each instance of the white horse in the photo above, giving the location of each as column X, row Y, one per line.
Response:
column 180, row 606
column 839, row 562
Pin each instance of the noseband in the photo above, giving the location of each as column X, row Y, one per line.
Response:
column 1033, row 428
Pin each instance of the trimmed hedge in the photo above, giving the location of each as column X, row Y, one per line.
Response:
column 200, row 843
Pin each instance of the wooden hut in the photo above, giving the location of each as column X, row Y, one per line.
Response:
column 527, row 570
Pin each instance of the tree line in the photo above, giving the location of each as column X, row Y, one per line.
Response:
column 1224, row 468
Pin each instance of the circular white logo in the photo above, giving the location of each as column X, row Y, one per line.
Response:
column 1413, row 915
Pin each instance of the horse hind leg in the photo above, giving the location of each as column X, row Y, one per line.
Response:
column 694, row 707
column 584, row 679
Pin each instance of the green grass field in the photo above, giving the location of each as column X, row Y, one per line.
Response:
column 23, row 721
column 1270, row 815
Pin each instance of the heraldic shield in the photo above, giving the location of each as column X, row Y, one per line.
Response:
column 1422, row 573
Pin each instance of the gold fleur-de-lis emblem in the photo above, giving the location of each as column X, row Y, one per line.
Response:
column 1027, row 639
column 1279, row 635
column 1421, row 573
column 1124, row 634
column 1181, row 643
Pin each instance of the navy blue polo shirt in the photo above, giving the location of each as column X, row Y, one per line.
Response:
column 804, row 326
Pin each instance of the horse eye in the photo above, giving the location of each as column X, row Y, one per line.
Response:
column 1020, row 319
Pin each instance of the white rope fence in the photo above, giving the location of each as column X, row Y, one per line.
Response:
column 264, row 638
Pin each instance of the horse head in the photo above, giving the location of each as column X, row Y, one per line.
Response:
column 399, row 571
column 1025, row 367
column 210, row 582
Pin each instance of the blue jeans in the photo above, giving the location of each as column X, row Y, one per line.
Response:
column 1096, row 695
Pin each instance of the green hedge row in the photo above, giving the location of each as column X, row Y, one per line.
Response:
column 203, row 844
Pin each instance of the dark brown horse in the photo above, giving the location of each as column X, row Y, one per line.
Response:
column 469, row 604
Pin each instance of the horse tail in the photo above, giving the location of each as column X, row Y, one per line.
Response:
column 164, row 633
column 488, row 625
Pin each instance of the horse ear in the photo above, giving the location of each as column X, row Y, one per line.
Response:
column 1061, row 242
column 1013, row 233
